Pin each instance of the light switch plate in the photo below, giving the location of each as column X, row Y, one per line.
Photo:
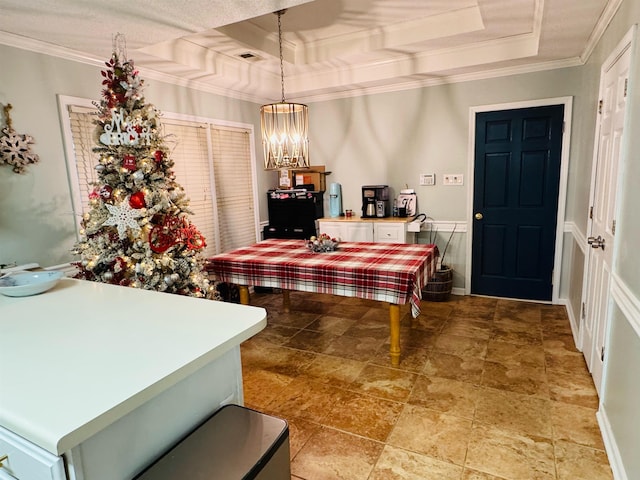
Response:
column 453, row 179
column 427, row 179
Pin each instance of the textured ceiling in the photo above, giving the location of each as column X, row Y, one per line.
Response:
column 331, row 48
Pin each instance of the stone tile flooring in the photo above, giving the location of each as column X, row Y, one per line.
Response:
column 486, row 389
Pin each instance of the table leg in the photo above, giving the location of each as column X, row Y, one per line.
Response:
column 286, row 301
column 394, row 327
column 244, row 294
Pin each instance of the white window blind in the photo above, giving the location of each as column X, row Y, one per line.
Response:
column 187, row 143
column 82, row 138
column 212, row 164
column 232, row 166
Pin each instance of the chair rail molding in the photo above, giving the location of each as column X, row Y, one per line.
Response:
column 627, row 301
column 579, row 237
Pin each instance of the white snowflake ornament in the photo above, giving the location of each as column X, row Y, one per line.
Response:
column 123, row 217
column 15, row 149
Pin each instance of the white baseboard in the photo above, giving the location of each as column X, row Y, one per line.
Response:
column 574, row 321
column 457, row 291
column 629, row 305
column 610, row 445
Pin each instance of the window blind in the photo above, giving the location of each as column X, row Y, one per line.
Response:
column 234, row 193
column 82, row 139
column 212, row 164
column 188, row 145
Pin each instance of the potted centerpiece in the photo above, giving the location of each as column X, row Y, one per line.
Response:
column 439, row 286
column 322, row 243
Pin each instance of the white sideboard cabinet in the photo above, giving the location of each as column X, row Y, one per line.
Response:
column 390, row 230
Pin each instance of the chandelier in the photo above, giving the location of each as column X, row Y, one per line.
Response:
column 284, row 127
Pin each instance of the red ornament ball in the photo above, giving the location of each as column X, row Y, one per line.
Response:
column 136, row 200
column 105, row 192
column 158, row 155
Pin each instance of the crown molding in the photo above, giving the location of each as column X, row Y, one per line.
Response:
column 332, row 93
column 37, row 46
column 44, row 48
column 431, row 82
column 603, row 22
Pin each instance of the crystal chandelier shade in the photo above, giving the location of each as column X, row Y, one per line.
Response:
column 284, row 135
column 284, row 127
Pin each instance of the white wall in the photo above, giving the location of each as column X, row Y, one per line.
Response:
column 392, row 138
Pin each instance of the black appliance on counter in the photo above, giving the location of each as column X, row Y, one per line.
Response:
column 293, row 213
column 375, row 201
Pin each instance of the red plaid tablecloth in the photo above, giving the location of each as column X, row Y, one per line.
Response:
column 387, row 272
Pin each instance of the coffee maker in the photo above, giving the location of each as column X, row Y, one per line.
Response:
column 375, row 201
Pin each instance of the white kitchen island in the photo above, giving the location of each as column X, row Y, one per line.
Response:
column 97, row 381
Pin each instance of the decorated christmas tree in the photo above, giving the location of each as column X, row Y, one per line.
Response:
column 137, row 231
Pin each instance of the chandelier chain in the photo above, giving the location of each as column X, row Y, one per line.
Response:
column 281, row 58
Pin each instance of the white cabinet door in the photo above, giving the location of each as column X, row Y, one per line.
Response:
column 390, row 232
column 348, row 231
column 358, row 232
column 333, row 229
column 370, row 231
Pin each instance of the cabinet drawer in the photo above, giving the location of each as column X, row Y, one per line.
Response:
column 27, row 461
column 392, row 233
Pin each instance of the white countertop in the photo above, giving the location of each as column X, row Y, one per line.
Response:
column 77, row 358
column 358, row 218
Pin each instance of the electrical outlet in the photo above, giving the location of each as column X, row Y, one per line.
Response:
column 453, row 179
column 427, row 179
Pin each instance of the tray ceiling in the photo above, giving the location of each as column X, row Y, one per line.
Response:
column 331, row 48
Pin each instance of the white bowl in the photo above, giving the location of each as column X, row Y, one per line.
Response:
column 24, row 284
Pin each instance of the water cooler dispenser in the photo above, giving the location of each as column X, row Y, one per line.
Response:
column 335, row 200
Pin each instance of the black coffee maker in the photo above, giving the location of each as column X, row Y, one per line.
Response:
column 375, row 201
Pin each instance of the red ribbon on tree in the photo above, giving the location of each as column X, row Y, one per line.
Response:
column 163, row 236
column 174, row 230
column 192, row 238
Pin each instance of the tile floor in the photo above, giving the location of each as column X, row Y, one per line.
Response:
column 486, row 389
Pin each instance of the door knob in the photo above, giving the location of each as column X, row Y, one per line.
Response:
column 479, row 216
column 596, row 242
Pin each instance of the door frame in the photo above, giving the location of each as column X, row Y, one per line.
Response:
column 562, row 190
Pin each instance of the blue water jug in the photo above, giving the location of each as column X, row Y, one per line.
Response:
column 335, row 200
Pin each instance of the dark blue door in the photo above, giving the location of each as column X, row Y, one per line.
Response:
column 516, row 182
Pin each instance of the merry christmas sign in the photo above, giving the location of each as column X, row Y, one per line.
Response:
column 124, row 131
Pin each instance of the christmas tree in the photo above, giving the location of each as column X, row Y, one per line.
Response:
column 137, row 232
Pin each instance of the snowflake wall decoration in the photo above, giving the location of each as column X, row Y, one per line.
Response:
column 15, row 149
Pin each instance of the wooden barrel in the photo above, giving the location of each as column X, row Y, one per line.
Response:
column 439, row 287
